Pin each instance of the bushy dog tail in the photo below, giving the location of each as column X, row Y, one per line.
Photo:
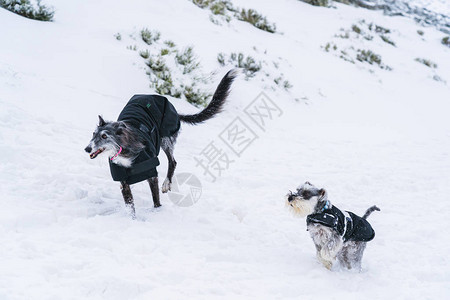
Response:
column 217, row 102
column 370, row 210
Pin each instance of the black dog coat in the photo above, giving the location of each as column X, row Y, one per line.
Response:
column 350, row 227
column 154, row 117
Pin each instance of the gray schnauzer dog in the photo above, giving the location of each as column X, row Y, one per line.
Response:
column 340, row 237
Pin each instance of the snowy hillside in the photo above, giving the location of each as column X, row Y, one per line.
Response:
column 367, row 133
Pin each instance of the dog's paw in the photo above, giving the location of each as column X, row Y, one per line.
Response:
column 166, row 186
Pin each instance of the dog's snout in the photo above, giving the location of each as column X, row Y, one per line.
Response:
column 88, row 149
column 290, row 197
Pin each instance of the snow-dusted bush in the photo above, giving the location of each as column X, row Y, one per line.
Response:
column 144, row 54
column 372, row 58
column 226, row 9
column 368, row 56
column 317, row 2
column 249, row 65
column 149, row 37
column 253, row 17
column 187, row 59
column 386, row 39
column 280, row 81
column 195, row 95
column 426, row 62
column 29, row 10
column 172, row 72
column 446, row 41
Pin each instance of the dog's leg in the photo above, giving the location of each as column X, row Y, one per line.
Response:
column 356, row 254
column 344, row 256
column 330, row 250
column 167, row 145
column 328, row 244
column 128, row 198
column 155, row 190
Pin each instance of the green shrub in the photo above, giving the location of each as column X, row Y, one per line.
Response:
column 378, row 29
column 196, row 96
column 371, row 58
column 356, row 29
column 158, row 65
column 446, row 41
column 368, row 56
column 387, row 40
column 249, row 65
column 224, row 7
column 118, row 36
column 317, row 2
column 170, row 43
column 218, row 8
column 187, row 60
column 144, row 54
column 164, row 52
column 25, row 9
column 283, row 83
column 420, row 32
column 253, row 17
column 328, row 46
column 149, row 37
column 201, row 3
column 426, row 62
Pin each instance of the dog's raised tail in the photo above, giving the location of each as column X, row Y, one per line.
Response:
column 370, row 210
column 217, row 102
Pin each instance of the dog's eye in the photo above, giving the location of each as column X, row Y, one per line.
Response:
column 306, row 194
column 104, row 136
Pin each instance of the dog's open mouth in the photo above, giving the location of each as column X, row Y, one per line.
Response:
column 94, row 155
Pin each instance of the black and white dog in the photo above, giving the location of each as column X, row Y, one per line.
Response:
column 146, row 124
column 338, row 235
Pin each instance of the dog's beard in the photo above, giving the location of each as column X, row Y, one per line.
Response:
column 301, row 208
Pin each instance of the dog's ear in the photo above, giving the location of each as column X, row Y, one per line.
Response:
column 323, row 195
column 101, row 122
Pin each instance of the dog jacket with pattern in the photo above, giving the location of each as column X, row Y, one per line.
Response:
column 154, row 117
column 348, row 225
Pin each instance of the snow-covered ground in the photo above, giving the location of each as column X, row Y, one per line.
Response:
column 369, row 136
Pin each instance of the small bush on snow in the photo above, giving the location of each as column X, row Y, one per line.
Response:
column 144, row 54
column 172, row 72
column 371, row 58
column 26, row 9
column 170, row 44
column 426, row 62
column 253, row 17
column 356, row 29
column 387, row 40
column 446, row 41
column 188, row 60
column 225, row 8
column 248, row 64
column 368, row 56
column 325, row 3
column 196, row 96
column 149, row 37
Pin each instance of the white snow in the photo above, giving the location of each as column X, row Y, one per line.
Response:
column 367, row 135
